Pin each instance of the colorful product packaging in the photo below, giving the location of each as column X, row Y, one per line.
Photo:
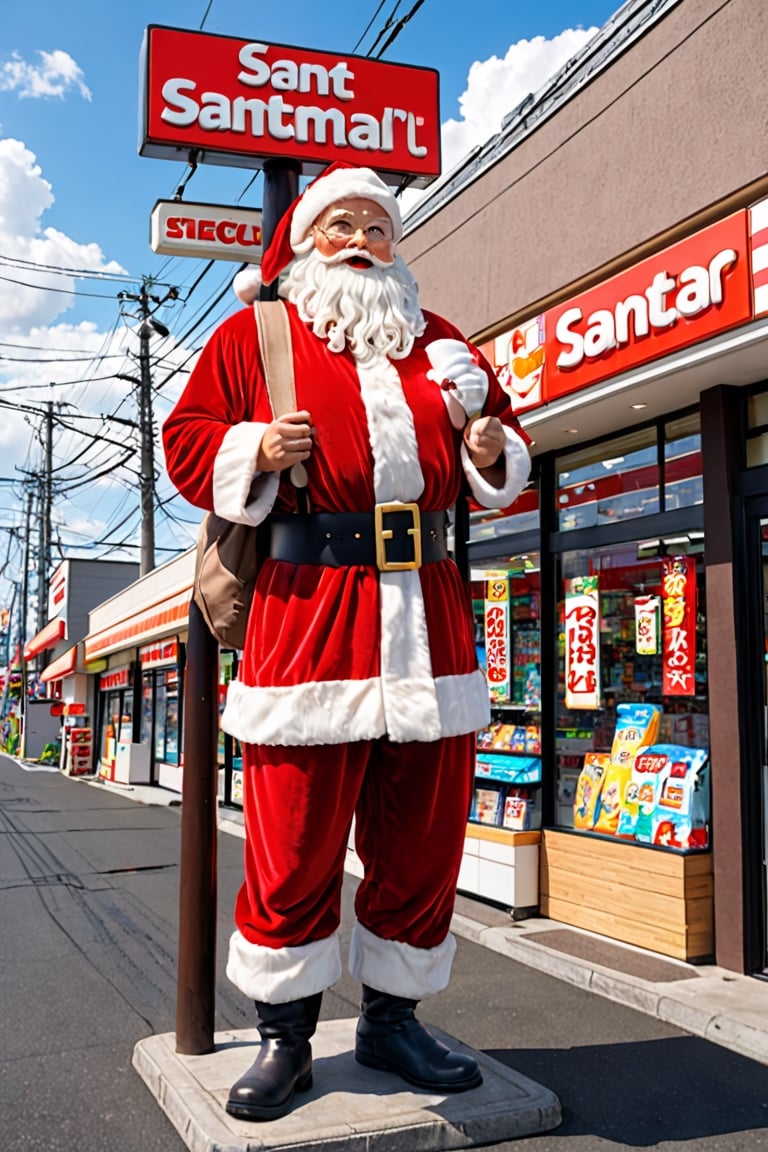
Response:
column 487, row 804
column 636, row 727
column 667, row 800
column 517, row 813
column 588, row 787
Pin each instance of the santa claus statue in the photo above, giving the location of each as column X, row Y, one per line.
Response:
column 359, row 692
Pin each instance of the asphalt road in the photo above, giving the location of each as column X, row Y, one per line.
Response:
column 88, row 912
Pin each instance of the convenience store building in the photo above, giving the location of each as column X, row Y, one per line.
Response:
column 613, row 241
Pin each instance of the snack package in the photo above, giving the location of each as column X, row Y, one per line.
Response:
column 588, row 788
column 612, row 793
column 487, row 804
column 637, row 725
column 681, row 815
column 517, row 815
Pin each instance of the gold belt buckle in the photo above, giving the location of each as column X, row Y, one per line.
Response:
column 383, row 534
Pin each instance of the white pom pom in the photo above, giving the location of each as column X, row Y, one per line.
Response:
column 246, row 284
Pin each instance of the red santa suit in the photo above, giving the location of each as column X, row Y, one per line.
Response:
column 358, row 691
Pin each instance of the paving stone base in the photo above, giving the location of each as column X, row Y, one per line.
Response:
column 349, row 1108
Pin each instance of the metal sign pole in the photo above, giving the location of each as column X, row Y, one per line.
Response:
column 196, row 979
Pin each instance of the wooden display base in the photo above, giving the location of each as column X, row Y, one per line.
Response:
column 654, row 899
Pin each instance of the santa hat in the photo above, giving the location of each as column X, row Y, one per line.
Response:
column 293, row 234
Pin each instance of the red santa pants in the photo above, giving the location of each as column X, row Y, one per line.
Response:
column 410, row 803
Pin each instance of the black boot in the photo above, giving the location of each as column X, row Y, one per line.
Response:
column 284, row 1063
column 389, row 1036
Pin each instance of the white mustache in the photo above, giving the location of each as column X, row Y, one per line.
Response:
column 344, row 255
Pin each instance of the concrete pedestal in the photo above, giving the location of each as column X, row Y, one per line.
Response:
column 349, row 1108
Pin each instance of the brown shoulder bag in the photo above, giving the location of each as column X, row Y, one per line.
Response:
column 228, row 555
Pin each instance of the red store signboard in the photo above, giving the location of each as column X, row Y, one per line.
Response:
column 240, row 102
column 681, row 296
column 685, row 294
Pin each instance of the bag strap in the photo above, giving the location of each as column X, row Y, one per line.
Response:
column 277, row 354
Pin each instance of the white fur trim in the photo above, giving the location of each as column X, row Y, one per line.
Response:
column 279, row 975
column 241, row 493
column 343, row 184
column 247, row 283
column 410, row 698
column 320, row 712
column 397, row 472
column 517, row 460
column 399, row 969
column 342, row 711
column 464, row 703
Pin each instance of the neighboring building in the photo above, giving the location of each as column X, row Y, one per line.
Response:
column 134, row 653
column 75, row 588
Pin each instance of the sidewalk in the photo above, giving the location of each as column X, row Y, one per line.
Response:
column 704, row 1000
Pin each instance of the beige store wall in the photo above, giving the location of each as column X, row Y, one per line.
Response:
column 673, row 126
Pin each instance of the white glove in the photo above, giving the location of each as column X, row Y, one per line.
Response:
column 464, row 384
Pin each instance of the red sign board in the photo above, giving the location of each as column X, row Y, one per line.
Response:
column 682, row 295
column 240, row 102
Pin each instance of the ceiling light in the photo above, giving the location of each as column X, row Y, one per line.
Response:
column 637, row 407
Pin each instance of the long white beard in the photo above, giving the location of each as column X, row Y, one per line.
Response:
column 373, row 312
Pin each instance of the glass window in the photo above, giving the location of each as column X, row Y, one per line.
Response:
column 522, row 516
column 626, row 653
column 160, row 717
column 147, row 686
column 615, row 480
column 126, row 721
column 683, row 484
column 506, row 604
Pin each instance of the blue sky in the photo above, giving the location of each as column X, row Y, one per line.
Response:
column 74, row 194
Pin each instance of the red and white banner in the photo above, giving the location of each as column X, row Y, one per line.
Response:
column 239, row 102
column 498, row 651
column 159, row 653
column 678, row 582
column 582, row 643
column 758, row 252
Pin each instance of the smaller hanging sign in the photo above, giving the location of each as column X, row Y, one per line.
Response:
column 678, row 583
column 497, row 643
column 647, row 625
column 582, row 643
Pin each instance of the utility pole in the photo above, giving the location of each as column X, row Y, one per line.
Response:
column 148, row 304
column 23, row 613
column 46, row 500
column 146, row 432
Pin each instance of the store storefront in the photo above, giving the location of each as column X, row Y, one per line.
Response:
column 618, row 288
column 135, row 651
column 161, row 708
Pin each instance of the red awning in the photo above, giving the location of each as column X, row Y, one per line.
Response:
column 46, row 638
column 60, row 667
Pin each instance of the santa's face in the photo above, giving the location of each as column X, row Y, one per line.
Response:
column 355, row 230
column 352, row 287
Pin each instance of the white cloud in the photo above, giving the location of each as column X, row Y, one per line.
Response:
column 57, row 75
column 24, row 197
column 495, row 86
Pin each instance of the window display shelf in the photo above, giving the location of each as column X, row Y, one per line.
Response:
column 654, row 899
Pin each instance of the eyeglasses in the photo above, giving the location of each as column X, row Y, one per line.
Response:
column 340, row 232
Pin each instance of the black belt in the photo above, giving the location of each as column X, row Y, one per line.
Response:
column 392, row 538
